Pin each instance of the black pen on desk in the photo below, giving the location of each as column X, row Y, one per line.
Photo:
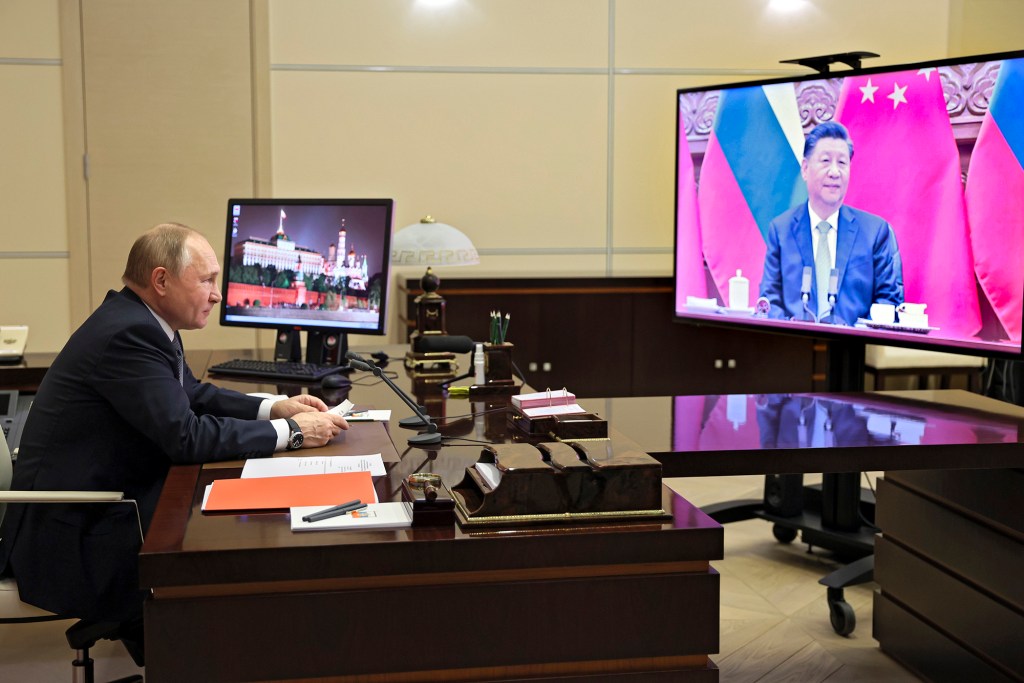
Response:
column 329, row 512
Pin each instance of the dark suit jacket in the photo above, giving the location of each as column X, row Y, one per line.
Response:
column 864, row 259
column 110, row 415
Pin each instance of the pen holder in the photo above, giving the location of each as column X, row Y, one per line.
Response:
column 498, row 363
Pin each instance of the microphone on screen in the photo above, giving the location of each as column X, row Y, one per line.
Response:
column 833, row 293
column 805, row 293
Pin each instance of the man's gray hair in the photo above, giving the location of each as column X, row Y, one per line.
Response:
column 163, row 245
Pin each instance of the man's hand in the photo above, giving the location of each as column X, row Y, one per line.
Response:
column 318, row 427
column 303, row 403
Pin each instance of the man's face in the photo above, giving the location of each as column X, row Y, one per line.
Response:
column 827, row 173
column 192, row 295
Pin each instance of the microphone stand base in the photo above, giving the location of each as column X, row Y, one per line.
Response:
column 412, row 422
column 425, row 439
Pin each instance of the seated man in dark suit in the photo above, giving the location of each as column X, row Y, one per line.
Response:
column 114, row 412
column 825, row 235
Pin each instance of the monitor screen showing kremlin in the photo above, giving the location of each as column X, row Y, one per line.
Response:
column 310, row 264
column 883, row 203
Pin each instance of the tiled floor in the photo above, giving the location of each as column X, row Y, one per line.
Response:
column 775, row 624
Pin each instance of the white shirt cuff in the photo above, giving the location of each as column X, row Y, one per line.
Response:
column 281, row 425
column 283, row 431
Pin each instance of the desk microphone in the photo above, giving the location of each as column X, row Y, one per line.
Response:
column 805, row 292
column 407, row 422
column 833, row 292
column 421, row 420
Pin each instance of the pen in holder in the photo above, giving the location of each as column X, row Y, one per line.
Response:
column 498, row 363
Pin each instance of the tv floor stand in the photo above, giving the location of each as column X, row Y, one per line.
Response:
column 838, row 515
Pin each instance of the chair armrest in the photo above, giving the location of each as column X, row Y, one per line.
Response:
column 61, row 496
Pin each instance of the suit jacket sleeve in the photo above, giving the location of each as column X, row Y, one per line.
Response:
column 771, row 277
column 197, row 423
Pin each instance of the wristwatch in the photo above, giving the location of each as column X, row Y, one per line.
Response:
column 294, row 435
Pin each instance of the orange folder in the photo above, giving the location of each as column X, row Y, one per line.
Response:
column 281, row 493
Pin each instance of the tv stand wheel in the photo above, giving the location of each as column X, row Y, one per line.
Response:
column 783, row 534
column 842, row 617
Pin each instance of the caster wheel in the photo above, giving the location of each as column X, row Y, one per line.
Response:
column 783, row 534
column 842, row 617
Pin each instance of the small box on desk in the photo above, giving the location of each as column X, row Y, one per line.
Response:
column 566, row 427
column 432, row 502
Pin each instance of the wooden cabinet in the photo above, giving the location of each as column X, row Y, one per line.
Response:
column 616, row 337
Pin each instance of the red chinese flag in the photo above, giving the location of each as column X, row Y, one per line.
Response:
column 906, row 169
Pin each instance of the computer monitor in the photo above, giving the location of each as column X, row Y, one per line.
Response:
column 926, row 248
column 319, row 265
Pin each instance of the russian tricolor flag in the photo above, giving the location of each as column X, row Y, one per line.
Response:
column 995, row 198
column 750, row 174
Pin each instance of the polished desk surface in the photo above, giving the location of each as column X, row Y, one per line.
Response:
column 181, row 528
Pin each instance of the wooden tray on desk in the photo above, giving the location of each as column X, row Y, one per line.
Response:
column 361, row 438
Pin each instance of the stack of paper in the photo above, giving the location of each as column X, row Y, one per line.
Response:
column 545, row 403
column 543, row 398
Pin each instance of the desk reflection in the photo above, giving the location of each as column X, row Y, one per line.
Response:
column 787, row 421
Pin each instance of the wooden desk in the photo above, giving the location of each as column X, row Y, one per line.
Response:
column 948, row 562
column 239, row 597
column 27, row 373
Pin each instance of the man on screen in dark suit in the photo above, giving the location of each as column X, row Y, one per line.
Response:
column 116, row 409
column 824, row 235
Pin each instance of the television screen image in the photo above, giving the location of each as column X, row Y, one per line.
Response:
column 310, row 264
column 882, row 203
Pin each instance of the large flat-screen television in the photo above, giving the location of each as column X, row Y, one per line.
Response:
column 885, row 204
column 319, row 265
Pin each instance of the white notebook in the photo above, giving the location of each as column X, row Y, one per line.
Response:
column 373, row 516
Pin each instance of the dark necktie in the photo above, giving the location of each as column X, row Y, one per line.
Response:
column 822, row 266
column 181, row 359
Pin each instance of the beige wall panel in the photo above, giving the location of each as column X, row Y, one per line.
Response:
column 213, row 336
column 168, row 115
column 980, row 26
column 511, row 160
column 644, row 160
column 32, row 173
column 535, row 33
column 642, row 265
column 35, row 293
column 750, row 34
column 29, row 29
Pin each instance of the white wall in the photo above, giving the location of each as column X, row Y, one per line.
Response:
column 544, row 129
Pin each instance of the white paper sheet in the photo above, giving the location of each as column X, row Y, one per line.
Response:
column 313, row 464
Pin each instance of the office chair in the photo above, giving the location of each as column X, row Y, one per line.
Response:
column 83, row 634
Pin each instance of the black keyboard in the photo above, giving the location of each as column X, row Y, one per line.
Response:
column 284, row 371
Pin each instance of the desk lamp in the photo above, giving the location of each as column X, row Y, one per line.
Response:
column 429, row 243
